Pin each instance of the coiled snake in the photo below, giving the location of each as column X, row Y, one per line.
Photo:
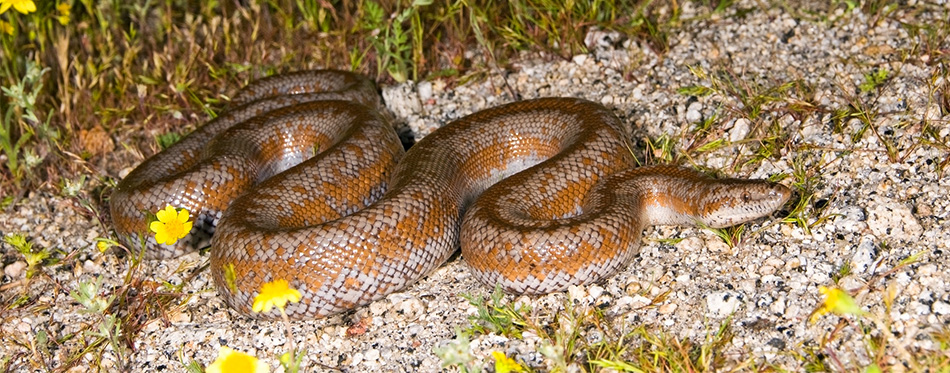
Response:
column 304, row 181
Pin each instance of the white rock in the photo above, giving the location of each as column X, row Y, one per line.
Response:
column 864, row 256
column 425, row 91
column 595, row 291
column 941, row 308
column 889, row 218
column 740, row 129
column 722, row 303
column 667, row 309
column 379, row 308
column 693, row 112
column 371, row 355
column 778, row 306
column 14, row 270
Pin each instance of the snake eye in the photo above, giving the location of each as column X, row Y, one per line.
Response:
column 746, row 197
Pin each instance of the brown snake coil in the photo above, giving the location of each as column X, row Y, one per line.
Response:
column 324, row 198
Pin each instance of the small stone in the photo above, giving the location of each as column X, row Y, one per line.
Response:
column 747, row 286
column 638, row 301
column 410, row 307
column 739, row 131
column 941, row 308
column 927, row 270
column 14, row 270
column 777, row 307
column 371, row 355
column 794, row 262
column 889, row 218
column 580, row 59
column 690, row 244
column 595, row 291
column 693, row 112
column 632, row 288
column 667, row 309
column 864, row 256
column 851, row 283
column 776, row 343
column 24, row 326
column 682, row 279
column 425, row 91
column 722, row 303
column 90, row 266
column 378, row 308
column 716, row 245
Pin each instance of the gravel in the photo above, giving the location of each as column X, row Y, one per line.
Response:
column 876, row 209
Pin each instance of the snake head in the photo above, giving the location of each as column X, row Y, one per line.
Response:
column 729, row 202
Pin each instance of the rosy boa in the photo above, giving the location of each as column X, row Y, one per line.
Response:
column 360, row 220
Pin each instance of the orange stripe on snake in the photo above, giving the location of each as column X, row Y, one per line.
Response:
column 304, row 181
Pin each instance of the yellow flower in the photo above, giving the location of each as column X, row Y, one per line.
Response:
column 22, row 6
column 103, row 245
column 230, row 361
column 63, row 13
column 836, row 301
column 275, row 293
column 171, row 226
column 6, row 27
column 504, row 364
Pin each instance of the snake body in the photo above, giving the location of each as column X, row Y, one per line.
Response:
column 298, row 184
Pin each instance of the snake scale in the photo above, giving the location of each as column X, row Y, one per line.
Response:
column 304, row 180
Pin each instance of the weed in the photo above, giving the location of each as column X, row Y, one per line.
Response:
column 732, row 236
column 34, row 258
column 109, row 328
column 842, row 271
column 22, row 129
column 167, row 139
column 875, row 326
column 457, row 353
column 661, row 150
column 496, row 317
column 585, row 335
column 874, row 80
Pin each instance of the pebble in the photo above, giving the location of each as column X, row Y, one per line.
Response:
column 864, row 256
column 941, row 308
column 667, row 309
column 888, row 218
column 15, row 270
column 740, row 129
column 694, row 112
column 722, row 303
column 425, row 91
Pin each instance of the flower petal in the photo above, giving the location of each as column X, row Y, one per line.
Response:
column 183, row 216
column 275, row 293
column 161, row 237
column 156, row 226
column 24, row 7
column 165, row 215
column 229, row 360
